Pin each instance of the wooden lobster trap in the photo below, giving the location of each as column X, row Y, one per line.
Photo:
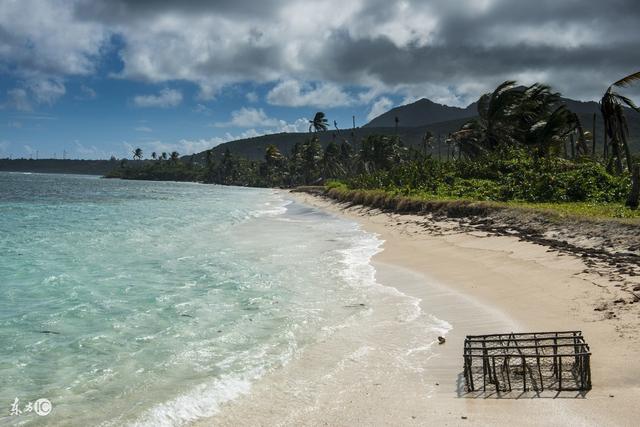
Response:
column 536, row 361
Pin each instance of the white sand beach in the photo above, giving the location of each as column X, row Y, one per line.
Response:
column 363, row 374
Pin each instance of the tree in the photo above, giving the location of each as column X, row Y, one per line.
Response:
column 615, row 123
column 274, row 163
column 163, row 156
column 331, row 165
column 319, row 122
column 494, row 125
column 311, row 155
column 154, row 155
column 380, row 152
column 175, row 156
column 137, row 154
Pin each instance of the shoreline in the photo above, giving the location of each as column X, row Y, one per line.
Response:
column 478, row 283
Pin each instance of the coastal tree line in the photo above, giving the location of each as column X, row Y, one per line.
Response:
column 523, row 145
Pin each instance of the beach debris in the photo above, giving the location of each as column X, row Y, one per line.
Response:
column 600, row 307
column 361, row 304
column 538, row 361
column 463, row 417
column 186, row 315
column 49, row 332
column 441, row 340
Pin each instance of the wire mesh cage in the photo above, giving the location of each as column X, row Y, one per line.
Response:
column 535, row 361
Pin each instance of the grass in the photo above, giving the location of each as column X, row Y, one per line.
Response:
column 415, row 202
column 584, row 210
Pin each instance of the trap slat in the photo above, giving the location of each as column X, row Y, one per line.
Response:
column 528, row 361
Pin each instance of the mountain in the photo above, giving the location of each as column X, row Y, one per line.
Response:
column 421, row 113
column 415, row 120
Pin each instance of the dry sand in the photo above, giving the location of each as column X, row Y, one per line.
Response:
column 383, row 370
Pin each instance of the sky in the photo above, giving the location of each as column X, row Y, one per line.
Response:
column 98, row 78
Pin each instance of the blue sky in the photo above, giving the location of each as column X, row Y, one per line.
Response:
column 96, row 78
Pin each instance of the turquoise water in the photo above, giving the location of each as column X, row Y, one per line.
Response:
column 152, row 303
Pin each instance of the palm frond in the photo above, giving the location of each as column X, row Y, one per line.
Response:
column 628, row 101
column 628, row 80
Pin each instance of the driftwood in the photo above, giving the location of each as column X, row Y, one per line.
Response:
column 527, row 361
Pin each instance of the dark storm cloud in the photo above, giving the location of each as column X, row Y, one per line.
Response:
column 122, row 10
column 389, row 46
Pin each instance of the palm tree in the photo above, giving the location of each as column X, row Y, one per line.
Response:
column 615, row 123
column 175, row 156
column 498, row 113
column 551, row 131
column 154, row 155
column 163, row 156
column 137, row 154
column 319, row 122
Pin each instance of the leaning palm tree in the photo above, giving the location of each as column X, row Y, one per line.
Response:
column 615, row 123
column 319, row 122
column 137, row 154
column 549, row 133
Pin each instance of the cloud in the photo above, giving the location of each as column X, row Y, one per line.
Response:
column 248, row 117
column 292, row 93
column 46, row 38
column 18, row 99
column 453, row 50
column 186, row 146
column 252, row 97
column 47, row 90
column 165, row 99
column 202, row 109
column 82, row 151
column 381, row 106
column 87, row 92
column 4, row 148
column 143, row 129
column 15, row 124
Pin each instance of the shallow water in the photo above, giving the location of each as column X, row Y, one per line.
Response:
column 152, row 303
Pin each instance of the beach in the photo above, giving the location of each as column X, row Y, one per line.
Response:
column 472, row 282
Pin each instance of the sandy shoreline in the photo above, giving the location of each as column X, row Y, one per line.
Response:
column 478, row 284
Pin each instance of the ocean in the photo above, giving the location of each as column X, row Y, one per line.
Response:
column 153, row 303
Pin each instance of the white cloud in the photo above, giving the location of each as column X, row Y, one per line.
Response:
column 14, row 124
column 202, row 109
column 82, row 151
column 46, row 38
column 143, row 129
column 4, row 148
column 87, row 92
column 292, row 93
column 165, row 99
column 381, row 106
column 18, row 99
column 252, row 97
column 187, row 146
column 46, row 90
column 248, row 117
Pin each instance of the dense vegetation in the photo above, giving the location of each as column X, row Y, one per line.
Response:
column 523, row 146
